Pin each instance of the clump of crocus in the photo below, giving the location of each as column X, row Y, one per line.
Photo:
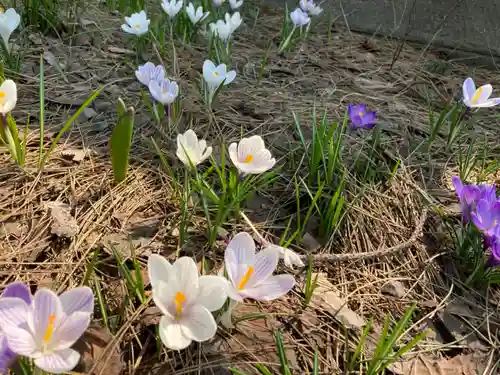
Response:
column 225, row 28
column 136, row 24
column 250, row 274
column 172, row 7
column 149, row 72
column 235, row 4
column 215, row 76
column 251, row 156
column 310, row 7
column 186, row 300
column 478, row 98
column 360, row 117
column 45, row 329
column 9, row 21
column 190, row 150
column 196, row 15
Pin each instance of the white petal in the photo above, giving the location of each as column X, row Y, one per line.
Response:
column 164, row 294
column 233, row 153
column 231, row 75
column 77, row 299
column 198, row 324
column 226, row 318
column 171, row 334
column 20, row 341
column 70, row 330
column 127, row 29
column 46, row 304
column 239, row 252
column 59, row 362
column 187, row 277
column 266, row 262
column 483, row 93
column 191, row 139
column 159, row 269
column 274, row 287
column 212, row 292
column 13, row 311
column 250, row 146
column 206, row 154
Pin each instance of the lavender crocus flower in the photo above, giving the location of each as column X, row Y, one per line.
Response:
column 469, row 195
column 164, row 91
column 13, row 290
column 299, row 17
column 46, row 329
column 360, row 117
column 486, row 216
column 494, row 259
column 149, row 72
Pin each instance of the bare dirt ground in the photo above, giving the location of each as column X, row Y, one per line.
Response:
column 328, row 71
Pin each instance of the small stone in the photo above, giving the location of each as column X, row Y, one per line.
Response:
column 310, row 243
column 394, row 288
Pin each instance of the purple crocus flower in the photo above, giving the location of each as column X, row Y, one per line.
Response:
column 46, row 329
column 13, row 290
column 360, row 117
column 469, row 195
column 494, row 259
column 486, row 216
column 299, row 17
column 149, row 72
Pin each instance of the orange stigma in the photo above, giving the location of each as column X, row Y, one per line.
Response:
column 50, row 329
column 248, row 159
column 246, row 277
column 179, row 299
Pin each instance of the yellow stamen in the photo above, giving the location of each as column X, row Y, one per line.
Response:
column 2, row 10
column 248, row 159
column 164, row 92
column 216, row 73
column 2, row 97
column 361, row 114
column 137, row 25
column 246, row 277
column 476, row 96
column 50, row 329
column 179, row 299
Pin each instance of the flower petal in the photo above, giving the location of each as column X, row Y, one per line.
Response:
column 468, row 89
column 163, row 296
column 233, row 153
column 198, row 324
column 7, row 356
column 230, row 76
column 155, row 90
column 19, row 340
column 272, row 288
column 225, row 319
column 59, row 362
column 187, row 276
column 45, row 305
column 70, row 330
column 171, row 334
column 482, row 94
column 18, row 290
column 249, row 146
column 77, row 300
column 212, row 292
column 239, row 252
column 159, row 269
column 266, row 262
column 13, row 311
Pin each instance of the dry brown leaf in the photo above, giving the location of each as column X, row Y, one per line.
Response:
column 327, row 297
column 76, row 154
column 64, row 224
column 463, row 364
column 92, row 347
column 121, row 51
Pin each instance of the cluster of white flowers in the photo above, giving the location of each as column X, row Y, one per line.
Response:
column 225, row 28
column 162, row 89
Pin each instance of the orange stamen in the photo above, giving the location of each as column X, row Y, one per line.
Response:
column 246, row 277
column 179, row 299
column 248, row 159
column 50, row 329
column 476, row 96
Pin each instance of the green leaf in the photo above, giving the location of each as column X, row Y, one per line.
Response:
column 121, row 141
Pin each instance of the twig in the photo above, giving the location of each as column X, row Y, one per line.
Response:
column 354, row 256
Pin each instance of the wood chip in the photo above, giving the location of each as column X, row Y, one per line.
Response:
column 64, row 224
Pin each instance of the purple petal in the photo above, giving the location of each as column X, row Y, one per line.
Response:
column 71, row 329
column 18, row 290
column 239, row 254
column 20, row 341
column 13, row 312
column 7, row 356
column 59, row 362
column 77, row 299
column 46, row 304
column 370, row 117
column 458, row 185
column 274, row 287
column 469, row 88
column 266, row 262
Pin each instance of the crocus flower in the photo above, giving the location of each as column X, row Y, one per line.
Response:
column 191, row 150
column 290, row 257
column 215, row 75
column 9, row 21
column 469, row 195
column 8, row 96
column 221, row 29
column 494, row 258
column 218, row 3
column 251, row 274
column 137, row 24
column 172, row 7
column 235, row 4
column 486, row 215
column 233, row 20
column 149, row 72
column 13, row 290
column 360, row 117
column 186, row 300
column 309, row 7
column 196, row 15
column 478, row 98
column 164, row 91
column 46, row 329
column 251, row 156
column 299, row 17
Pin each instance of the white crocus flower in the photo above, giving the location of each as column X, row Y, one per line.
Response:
column 221, row 29
column 299, row 17
column 290, row 257
column 196, row 15
column 186, row 300
column 46, row 329
column 215, row 75
column 149, row 72
column 172, row 7
column 251, row 274
column 9, row 21
column 478, row 98
column 218, row 3
column 309, row 7
column 235, row 4
column 251, row 156
column 137, row 24
column 233, row 20
column 191, row 150
column 164, row 91
column 8, row 96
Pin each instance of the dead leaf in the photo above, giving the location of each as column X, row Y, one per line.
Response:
column 123, row 243
column 92, row 347
column 14, row 228
column 151, row 316
column 64, row 224
column 310, row 243
column 85, row 22
column 76, row 154
column 469, row 364
column 327, row 297
column 394, row 288
column 121, row 51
